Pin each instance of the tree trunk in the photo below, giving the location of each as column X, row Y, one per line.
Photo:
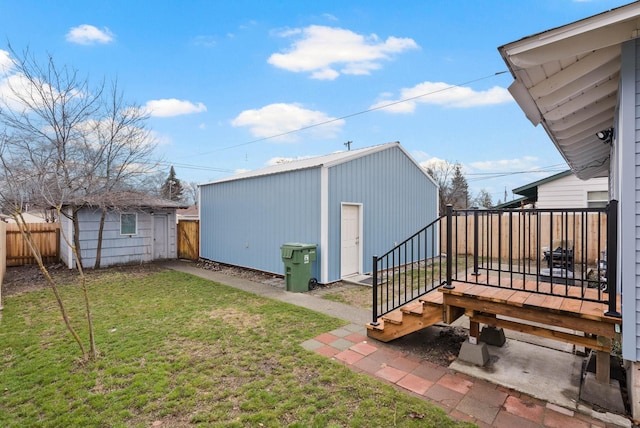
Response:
column 76, row 236
column 35, row 251
column 103, row 215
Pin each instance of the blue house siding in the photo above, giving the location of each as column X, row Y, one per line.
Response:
column 397, row 198
column 244, row 222
column 625, row 167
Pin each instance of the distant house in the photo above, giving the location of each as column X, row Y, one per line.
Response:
column 190, row 213
column 562, row 190
column 137, row 228
column 352, row 205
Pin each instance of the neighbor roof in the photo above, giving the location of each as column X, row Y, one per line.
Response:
column 567, row 80
column 530, row 191
column 317, row 161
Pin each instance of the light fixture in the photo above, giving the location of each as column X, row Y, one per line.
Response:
column 606, row 135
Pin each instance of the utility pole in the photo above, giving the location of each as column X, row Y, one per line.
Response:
column 348, row 145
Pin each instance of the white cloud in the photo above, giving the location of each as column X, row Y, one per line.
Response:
column 442, row 94
column 6, row 63
column 278, row 119
column 327, row 52
column 172, row 107
column 518, row 164
column 86, row 34
column 207, row 41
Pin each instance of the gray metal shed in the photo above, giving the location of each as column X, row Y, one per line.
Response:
column 352, row 205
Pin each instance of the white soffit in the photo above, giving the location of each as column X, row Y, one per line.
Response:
column 567, row 79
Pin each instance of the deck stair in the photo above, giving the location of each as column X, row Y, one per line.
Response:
column 416, row 315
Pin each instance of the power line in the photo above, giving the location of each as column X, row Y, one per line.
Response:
column 369, row 110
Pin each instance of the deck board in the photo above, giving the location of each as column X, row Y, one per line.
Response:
column 516, row 296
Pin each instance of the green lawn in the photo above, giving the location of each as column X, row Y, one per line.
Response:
column 177, row 350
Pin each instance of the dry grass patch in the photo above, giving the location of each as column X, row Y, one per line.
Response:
column 177, row 350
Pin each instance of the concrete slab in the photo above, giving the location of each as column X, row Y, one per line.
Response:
column 541, row 372
column 607, row 397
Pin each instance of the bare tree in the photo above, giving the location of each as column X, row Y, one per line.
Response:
column 122, row 151
column 66, row 144
column 483, row 199
column 190, row 192
column 453, row 185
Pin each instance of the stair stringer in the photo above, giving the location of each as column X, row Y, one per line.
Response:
column 410, row 318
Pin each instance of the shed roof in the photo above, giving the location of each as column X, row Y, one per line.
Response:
column 129, row 199
column 318, row 161
column 567, row 80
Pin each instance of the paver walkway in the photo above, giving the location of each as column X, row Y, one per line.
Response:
column 461, row 396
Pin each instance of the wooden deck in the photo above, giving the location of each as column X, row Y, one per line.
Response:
column 521, row 310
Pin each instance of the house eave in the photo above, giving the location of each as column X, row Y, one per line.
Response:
column 567, row 80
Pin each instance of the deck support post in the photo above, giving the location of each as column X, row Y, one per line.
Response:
column 603, row 367
column 471, row 351
column 474, row 332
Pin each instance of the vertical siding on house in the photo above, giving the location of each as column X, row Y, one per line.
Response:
column 397, row 199
column 244, row 222
column 625, row 173
column 569, row 192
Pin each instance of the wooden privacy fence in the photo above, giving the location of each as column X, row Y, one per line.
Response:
column 189, row 239
column 524, row 235
column 46, row 236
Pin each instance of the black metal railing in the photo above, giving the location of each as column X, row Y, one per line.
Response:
column 412, row 269
column 559, row 252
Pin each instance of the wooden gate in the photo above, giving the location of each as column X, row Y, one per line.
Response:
column 46, row 236
column 189, row 239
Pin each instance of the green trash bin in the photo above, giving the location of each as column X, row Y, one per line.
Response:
column 298, row 259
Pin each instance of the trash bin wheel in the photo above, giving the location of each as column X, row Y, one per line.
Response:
column 313, row 284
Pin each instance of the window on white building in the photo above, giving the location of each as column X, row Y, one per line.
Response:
column 128, row 224
column 597, row 199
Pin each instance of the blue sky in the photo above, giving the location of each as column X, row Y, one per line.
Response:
column 228, row 84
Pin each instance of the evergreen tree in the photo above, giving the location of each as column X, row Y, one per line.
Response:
column 172, row 188
column 459, row 189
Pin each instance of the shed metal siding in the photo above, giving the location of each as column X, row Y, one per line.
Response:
column 244, row 222
column 397, row 199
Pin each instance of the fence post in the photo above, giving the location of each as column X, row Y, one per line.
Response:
column 449, row 215
column 612, row 258
column 375, row 291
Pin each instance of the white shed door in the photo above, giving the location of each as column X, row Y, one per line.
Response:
column 160, row 226
column 350, row 240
